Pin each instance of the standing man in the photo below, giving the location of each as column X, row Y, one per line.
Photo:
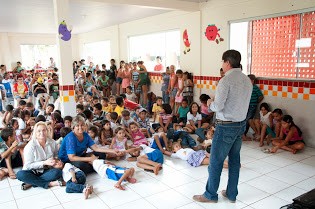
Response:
column 230, row 104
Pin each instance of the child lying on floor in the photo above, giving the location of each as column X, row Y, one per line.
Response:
column 75, row 179
column 115, row 173
column 147, row 158
column 193, row 158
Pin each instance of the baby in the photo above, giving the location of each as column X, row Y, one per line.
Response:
column 115, row 173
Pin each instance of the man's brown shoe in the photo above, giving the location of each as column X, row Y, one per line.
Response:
column 224, row 195
column 201, row 198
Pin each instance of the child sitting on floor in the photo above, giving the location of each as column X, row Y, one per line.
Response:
column 75, row 178
column 106, row 133
column 137, row 135
column 8, row 144
column 119, row 142
column 8, row 115
column 114, row 172
column 159, row 140
column 144, row 123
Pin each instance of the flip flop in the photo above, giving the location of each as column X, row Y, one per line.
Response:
column 25, row 186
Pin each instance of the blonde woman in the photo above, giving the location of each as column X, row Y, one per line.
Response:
column 39, row 157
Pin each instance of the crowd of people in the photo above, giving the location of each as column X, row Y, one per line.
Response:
column 119, row 119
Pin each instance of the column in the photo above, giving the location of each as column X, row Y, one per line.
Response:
column 64, row 49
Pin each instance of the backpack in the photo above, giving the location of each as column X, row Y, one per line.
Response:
column 304, row 201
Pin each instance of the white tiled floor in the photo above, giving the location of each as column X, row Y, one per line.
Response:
column 266, row 181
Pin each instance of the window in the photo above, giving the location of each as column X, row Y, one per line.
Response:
column 278, row 47
column 37, row 54
column 98, row 53
column 148, row 47
column 239, row 41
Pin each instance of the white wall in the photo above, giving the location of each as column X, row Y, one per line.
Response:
column 10, row 51
column 105, row 34
column 220, row 12
column 165, row 22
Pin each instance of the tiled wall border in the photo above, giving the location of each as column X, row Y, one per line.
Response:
column 67, row 93
column 302, row 90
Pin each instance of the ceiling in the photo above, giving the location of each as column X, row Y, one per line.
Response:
column 37, row 16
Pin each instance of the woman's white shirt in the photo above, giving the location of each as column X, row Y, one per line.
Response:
column 35, row 155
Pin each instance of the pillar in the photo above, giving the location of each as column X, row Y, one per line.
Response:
column 64, row 51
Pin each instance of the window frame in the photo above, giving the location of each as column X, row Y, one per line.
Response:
column 249, row 45
column 164, row 55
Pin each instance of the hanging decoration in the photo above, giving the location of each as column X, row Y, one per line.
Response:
column 212, row 34
column 63, row 31
column 186, row 41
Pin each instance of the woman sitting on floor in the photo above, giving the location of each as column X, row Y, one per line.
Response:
column 74, row 145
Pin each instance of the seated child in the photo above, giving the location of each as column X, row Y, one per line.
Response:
column 75, row 179
column 120, row 106
column 205, row 114
column 207, row 143
column 99, row 115
column 67, row 121
column 63, row 133
column 144, row 123
column 105, row 106
column 8, row 145
column 277, row 118
column 79, row 108
column 157, row 107
column 194, row 118
column 125, row 121
column 119, row 142
column 264, row 124
column 182, row 113
column 135, row 114
column 290, row 138
column 93, row 133
column 137, row 135
column 114, row 120
column 115, row 173
column 130, row 95
column 8, row 115
column 165, row 117
column 159, row 140
column 54, row 89
column 106, row 133
column 147, row 158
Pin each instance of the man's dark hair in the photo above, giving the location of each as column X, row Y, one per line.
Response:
column 6, row 133
column 40, row 118
column 98, row 106
column 68, row 117
column 51, row 105
column 119, row 101
column 80, row 106
column 22, row 102
column 64, row 131
column 233, row 56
